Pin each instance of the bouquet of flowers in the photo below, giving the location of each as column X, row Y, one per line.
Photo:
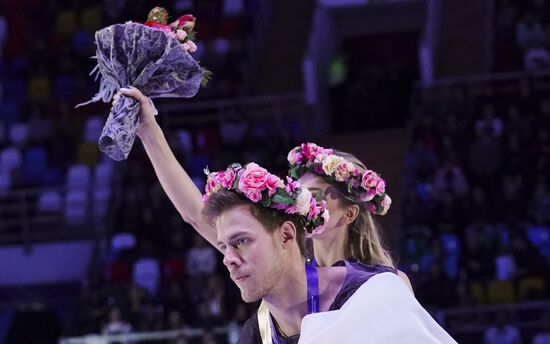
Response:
column 153, row 57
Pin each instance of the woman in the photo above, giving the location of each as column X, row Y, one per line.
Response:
column 351, row 233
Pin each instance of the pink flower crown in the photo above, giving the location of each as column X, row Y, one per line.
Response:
column 366, row 186
column 260, row 186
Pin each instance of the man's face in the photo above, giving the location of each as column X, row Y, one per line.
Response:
column 251, row 253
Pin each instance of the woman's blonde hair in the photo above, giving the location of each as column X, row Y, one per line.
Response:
column 365, row 242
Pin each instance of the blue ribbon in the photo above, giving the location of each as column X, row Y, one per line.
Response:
column 312, row 290
column 312, row 278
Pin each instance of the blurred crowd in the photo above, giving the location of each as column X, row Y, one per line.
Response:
column 45, row 50
column 526, row 24
column 477, row 197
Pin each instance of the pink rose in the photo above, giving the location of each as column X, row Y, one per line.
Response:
column 314, row 209
column 310, row 150
column 253, row 178
column 292, row 156
column 318, row 168
column 254, row 196
column 326, row 151
column 272, row 183
column 212, row 183
column 342, row 172
column 370, row 179
column 386, row 203
column 299, row 158
column 291, row 185
column 204, row 198
column 192, row 46
column 368, row 195
column 371, row 208
column 380, row 186
column 181, row 35
column 291, row 209
column 320, row 229
column 227, row 178
column 186, row 22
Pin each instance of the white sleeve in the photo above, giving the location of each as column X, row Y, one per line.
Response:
column 382, row 310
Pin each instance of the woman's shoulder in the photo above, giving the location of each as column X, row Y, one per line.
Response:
column 375, row 269
column 368, row 268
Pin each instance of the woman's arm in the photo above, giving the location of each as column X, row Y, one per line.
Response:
column 177, row 184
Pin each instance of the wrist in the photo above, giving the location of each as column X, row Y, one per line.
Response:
column 149, row 131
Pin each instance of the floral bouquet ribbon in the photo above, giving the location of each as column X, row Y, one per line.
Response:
column 152, row 57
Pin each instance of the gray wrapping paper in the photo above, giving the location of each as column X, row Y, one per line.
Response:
column 133, row 54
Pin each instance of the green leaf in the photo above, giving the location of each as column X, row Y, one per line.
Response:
column 277, row 198
column 293, row 172
column 319, row 195
column 266, row 200
column 206, row 76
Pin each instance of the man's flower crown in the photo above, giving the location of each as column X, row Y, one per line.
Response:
column 367, row 185
column 270, row 191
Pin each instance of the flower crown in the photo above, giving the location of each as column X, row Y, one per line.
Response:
column 270, row 191
column 181, row 29
column 367, row 185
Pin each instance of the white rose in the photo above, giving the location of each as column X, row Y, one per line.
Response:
column 330, row 163
column 302, row 202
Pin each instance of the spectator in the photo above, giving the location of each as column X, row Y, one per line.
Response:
column 3, row 34
column 201, row 258
column 174, row 321
column 115, row 324
column 540, row 202
column 485, row 157
column 502, row 332
column 489, row 124
column 450, row 177
column 543, row 337
column 236, row 323
column 438, row 290
column 529, row 32
column 476, row 261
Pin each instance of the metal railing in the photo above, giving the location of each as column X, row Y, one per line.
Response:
column 476, row 319
column 441, row 87
column 276, row 108
column 482, row 315
column 21, row 220
column 142, row 337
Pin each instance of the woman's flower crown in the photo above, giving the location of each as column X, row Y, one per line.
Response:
column 181, row 29
column 270, row 191
column 366, row 186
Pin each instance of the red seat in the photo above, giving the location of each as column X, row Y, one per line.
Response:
column 117, row 273
column 172, row 270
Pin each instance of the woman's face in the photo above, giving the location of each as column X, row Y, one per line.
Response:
column 335, row 206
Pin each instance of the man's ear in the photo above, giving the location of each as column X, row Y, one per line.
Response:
column 287, row 233
column 351, row 213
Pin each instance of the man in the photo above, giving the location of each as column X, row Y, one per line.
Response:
column 260, row 223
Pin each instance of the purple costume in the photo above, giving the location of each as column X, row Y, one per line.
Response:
column 357, row 274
